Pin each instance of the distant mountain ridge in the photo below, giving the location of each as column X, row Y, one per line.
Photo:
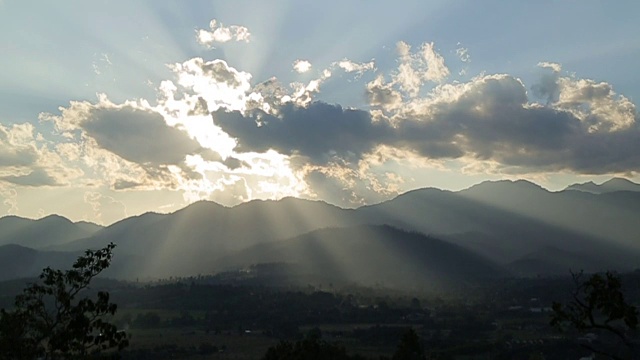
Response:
column 20, row 262
column 48, row 231
column 611, row 185
column 517, row 226
column 374, row 254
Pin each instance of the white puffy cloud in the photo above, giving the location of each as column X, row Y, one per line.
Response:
column 17, row 145
column 218, row 33
column 595, row 103
column 359, row 68
column 215, row 82
column 27, row 159
column 301, row 66
column 383, row 94
column 436, row 69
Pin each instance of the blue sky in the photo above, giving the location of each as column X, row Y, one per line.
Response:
column 397, row 96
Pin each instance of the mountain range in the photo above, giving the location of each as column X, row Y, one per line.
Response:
column 425, row 236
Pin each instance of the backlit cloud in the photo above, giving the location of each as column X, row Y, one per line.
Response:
column 490, row 118
column 359, row 68
column 218, row 33
column 301, row 66
column 418, row 67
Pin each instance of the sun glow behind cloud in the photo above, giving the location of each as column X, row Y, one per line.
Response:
column 421, row 115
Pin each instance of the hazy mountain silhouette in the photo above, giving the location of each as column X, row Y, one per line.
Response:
column 371, row 255
column 19, row 262
column 186, row 242
column 22, row 262
column 615, row 184
column 513, row 224
column 42, row 233
column 569, row 219
column 553, row 261
column 505, row 220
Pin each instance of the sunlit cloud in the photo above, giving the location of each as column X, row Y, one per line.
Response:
column 301, row 66
column 105, row 208
column 219, row 33
column 463, row 54
column 359, row 68
column 217, row 130
column 8, row 196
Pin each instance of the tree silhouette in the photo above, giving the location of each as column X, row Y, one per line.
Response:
column 410, row 347
column 598, row 305
column 309, row 348
column 51, row 320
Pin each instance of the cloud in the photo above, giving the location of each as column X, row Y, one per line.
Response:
column 125, row 146
column 17, row 146
column 436, row 69
column 27, row 159
column 346, row 185
column 138, row 135
column 547, row 86
column 463, row 54
column 490, row 118
column 595, row 103
column 106, row 209
column 9, row 198
column 383, row 94
column 36, row 177
column 359, row 68
column 219, row 33
column 213, row 134
column 301, row 66
column 318, row 131
column 418, row 67
column 213, row 83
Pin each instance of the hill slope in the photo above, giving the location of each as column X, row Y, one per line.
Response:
column 615, row 184
column 47, row 232
column 372, row 255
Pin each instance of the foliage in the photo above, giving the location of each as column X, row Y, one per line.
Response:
column 309, row 348
column 410, row 347
column 598, row 304
column 52, row 320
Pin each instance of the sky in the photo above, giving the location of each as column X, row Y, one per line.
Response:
column 110, row 109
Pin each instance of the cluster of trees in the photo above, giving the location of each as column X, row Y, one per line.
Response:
column 312, row 347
